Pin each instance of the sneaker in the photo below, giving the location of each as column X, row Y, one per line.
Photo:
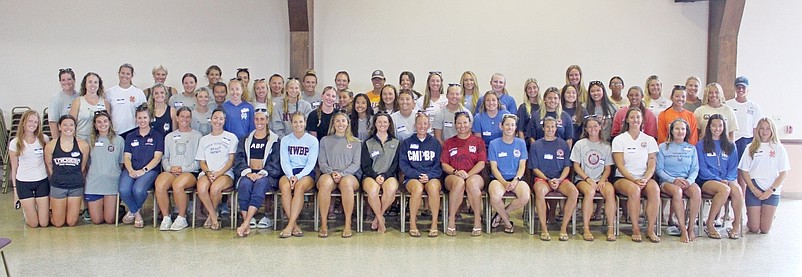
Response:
column 264, row 223
column 252, row 223
column 673, row 231
column 166, row 223
column 179, row 224
column 85, row 216
column 224, row 209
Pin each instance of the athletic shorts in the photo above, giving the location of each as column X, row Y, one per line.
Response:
column 59, row 193
column 33, row 189
column 92, row 197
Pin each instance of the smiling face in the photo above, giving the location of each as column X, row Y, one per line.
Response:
column 67, row 127
column 463, row 124
column 345, row 99
column 160, row 76
column 678, row 98
column 159, row 95
column 679, row 131
column 102, row 124
column 66, row 81
column 260, row 121
column 293, row 89
column 341, row 81
column 691, row 87
column 508, row 126
column 491, row 102
column 635, row 97
column 310, row 82
column 219, row 94
column 213, row 76
column 454, row 95
column 468, row 82
column 189, row 84
column 550, row 128
column 235, row 89
column 593, row 128
column 360, row 104
column 329, row 97
column 616, row 85
column 406, row 82
column 244, row 76
column 740, row 91
column 382, row 123
column 532, row 91
column 497, row 82
column 634, row 119
column 218, row 120
column 551, row 100
column 31, row 125
column 574, row 77
column 405, row 102
column 596, row 93
column 713, row 98
column 435, row 83
column 764, row 131
column 143, row 119
column 276, row 83
column 260, row 90
column 421, row 124
column 298, row 123
column 184, row 119
column 125, row 74
column 716, row 128
column 377, row 82
column 570, row 95
column 202, row 98
column 388, row 96
column 92, row 84
column 655, row 89
column 340, row 123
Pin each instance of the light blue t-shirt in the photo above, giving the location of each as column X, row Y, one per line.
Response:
column 678, row 161
column 507, row 156
column 488, row 127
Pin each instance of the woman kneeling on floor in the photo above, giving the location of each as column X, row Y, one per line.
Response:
column 507, row 156
column 420, row 163
column 257, row 164
column 550, row 165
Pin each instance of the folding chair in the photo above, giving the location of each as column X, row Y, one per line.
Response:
column 707, row 198
column 404, row 201
column 360, row 227
column 528, row 210
column 189, row 191
column 117, row 210
column 276, row 200
column 357, row 204
column 3, row 243
column 232, row 193
column 685, row 198
column 552, row 195
column 620, row 198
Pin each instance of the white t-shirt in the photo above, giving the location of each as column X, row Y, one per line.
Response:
column 636, row 152
column 404, row 126
column 215, row 149
column 769, row 161
column 704, row 112
column 123, row 106
column 748, row 114
column 659, row 105
column 31, row 166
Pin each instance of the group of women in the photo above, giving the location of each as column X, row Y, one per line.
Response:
column 267, row 137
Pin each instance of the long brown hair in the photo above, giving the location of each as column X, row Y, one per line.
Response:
column 21, row 132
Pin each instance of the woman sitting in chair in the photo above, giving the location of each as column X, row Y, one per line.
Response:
column 507, row 156
column 179, row 170
column 298, row 152
column 718, row 173
column 216, row 156
column 380, row 167
column 420, row 162
column 257, row 164
column 463, row 159
column 339, row 161
column 550, row 165
column 677, row 167
column 593, row 162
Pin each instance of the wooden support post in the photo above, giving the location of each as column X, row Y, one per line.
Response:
column 301, row 39
column 722, row 42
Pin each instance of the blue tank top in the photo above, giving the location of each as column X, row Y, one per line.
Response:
column 163, row 124
column 67, row 167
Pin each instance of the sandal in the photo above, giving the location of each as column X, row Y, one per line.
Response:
column 496, row 221
column 451, row 232
column 128, row 218
column 323, row 233
column 564, row 237
column 433, row 233
column 414, row 233
column 545, row 236
column 283, row 235
column 216, row 226
column 297, row 233
column 637, row 238
column 139, row 224
column 510, row 229
column 588, row 236
column 713, row 235
column 207, row 224
column 653, row 238
column 347, row 233
column 610, row 234
column 476, row 232
column 733, row 235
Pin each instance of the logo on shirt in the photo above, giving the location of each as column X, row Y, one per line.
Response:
column 131, row 99
column 772, row 153
column 560, row 154
column 298, row 150
column 472, row 148
column 643, row 144
column 349, row 146
column 420, row 156
column 110, row 148
column 516, row 153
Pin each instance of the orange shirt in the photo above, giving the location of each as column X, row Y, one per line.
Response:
column 374, row 98
column 669, row 115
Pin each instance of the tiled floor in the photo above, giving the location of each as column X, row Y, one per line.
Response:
column 88, row 250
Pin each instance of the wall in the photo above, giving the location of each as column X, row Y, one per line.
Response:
column 184, row 36
column 768, row 53
column 524, row 39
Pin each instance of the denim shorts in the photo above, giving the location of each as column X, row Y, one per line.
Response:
column 752, row 200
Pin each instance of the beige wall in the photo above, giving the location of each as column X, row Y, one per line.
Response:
column 522, row 39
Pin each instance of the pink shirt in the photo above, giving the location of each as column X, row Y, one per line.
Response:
column 649, row 122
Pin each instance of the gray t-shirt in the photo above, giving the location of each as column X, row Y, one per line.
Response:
column 59, row 105
column 280, row 120
column 444, row 120
column 592, row 157
column 313, row 100
column 181, row 100
column 339, row 154
column 104, row 166
column 202, row 121
column 180, row 149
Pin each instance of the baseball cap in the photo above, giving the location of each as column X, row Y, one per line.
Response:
column 742, row 80
column 378, row 74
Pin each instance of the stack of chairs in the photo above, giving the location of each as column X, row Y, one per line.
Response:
column 16, row 117
column 45, row 124
column 3, row 148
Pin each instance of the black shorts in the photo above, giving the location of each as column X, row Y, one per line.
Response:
column 33, row 189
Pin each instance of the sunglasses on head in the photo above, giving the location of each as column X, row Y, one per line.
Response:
column 454, row 85
column 242, row 69
column 596, row 83
column 62, row 70
column 259, row 80
column 435, row 73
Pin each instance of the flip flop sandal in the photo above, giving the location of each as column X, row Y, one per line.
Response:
column 216, row 227
column 733, row 235
column 713, row 235
column 415, row 233
column 433, row 233
column 653, row 238
column 347, row 233
column 283, row 235
column 637, row 238
column 545, row 236
column 297, row 233
column 323, row 233
column 496, row 221
column 588, row 236
column 451, row 232
column 610, row 234
column 511, row 229
column 475, row 232
column 564, row 237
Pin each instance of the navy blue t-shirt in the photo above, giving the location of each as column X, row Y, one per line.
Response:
column 143, row 148
column 551, row 157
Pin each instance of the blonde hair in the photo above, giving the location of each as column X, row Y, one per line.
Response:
column 427, row 96
column 475, row 92
column 693, row 77
column 647, row 95
column 152, row 101
column 348, row 135
column 756, row 136
column 559, row 109
column 21, row 132
column 268, row 95
column 581, row 91
column 157, row 68
column 527, row 102
column 241, row 85
column 286, row 100
column 719, row 91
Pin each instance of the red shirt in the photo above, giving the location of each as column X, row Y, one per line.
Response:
column 463, row 154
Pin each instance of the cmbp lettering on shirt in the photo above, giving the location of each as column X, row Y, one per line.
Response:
column 420, row 156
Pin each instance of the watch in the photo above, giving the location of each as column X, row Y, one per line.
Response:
column 773, row 189
column 145, row 169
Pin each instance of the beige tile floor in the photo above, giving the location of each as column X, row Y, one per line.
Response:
column 88, row 250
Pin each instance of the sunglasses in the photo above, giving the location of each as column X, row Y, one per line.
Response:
column 679, row 87
column 261, row 110
column 102, row 112
column 241, row 69
column 62, row 70
column 509, row 115
column 435, row 73
column 596, row 83
column 454, row 85
column 237, row 79
column 259, row 80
